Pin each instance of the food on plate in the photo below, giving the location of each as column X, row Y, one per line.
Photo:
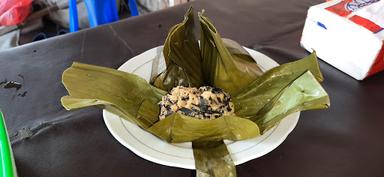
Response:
column 209, row 92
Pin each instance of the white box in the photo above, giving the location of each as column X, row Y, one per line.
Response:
column 347, row 34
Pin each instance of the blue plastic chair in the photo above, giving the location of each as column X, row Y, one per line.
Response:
column 133, row 7
column 99, row 12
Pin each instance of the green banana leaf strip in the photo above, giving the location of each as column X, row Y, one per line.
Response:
column 221, row 68
column 124, row 94
column 212, row 159
column 182, row 57
column 178, row 128
column 304, row 93
column 251, row 99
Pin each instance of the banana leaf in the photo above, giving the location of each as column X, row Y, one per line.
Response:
column 304, row 93
column 261, row 96
column 172, row 77
column 255, row 96
column 182, row 57
column 124, row 94
column 132, row 98
column 178, row 128
column 242, row 59
column 213, row 159
column 221, row 68
column 117, row 91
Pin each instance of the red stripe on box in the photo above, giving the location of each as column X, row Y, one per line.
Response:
column 371, row 26
column 379, row 63
column 340, row 9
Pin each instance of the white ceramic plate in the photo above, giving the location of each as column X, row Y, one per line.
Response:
column 180, row 155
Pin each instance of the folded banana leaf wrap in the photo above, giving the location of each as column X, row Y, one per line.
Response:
column 261, row 100
column 179, row 44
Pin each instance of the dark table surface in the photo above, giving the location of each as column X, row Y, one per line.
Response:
column 48, row 141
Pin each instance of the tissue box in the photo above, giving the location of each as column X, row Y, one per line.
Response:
column 347, row 34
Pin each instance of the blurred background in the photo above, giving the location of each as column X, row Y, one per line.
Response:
column 26, row 21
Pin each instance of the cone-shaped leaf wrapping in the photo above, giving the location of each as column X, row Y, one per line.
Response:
column 182, row 57
column 221, row 68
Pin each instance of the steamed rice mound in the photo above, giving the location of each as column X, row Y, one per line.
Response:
column 203, row 103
